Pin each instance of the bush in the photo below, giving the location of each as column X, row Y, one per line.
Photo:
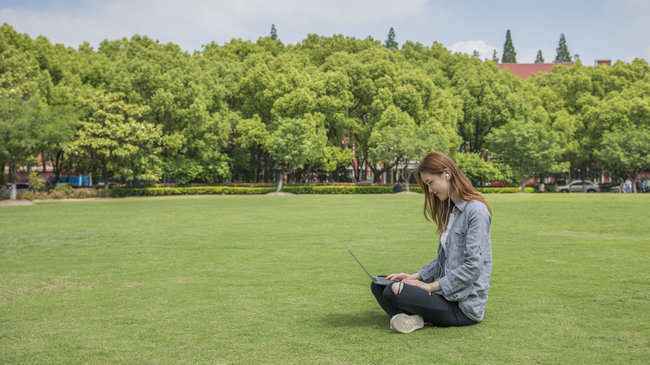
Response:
column 62, row 187
column 295, row 189
column 65, row 193
column 505, row 189
column 190, row 190
column 548, row 188
column 36, row 183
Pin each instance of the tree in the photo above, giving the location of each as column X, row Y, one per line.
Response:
column 626, row 150
column 539, row 58
column 509, row 54
column 495, row 58
column 19, row 122
column 22, row 104
column 529, row 148
column 274, row 33
column 477, row 170
column 488, row 98
column 297, row 142
column 390, row 41
column 113, row 141
column 563, row 54
column 476, row 54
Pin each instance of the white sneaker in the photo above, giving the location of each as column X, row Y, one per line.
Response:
column 403, row 323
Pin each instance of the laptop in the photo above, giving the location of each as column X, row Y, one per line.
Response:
column 379, row 280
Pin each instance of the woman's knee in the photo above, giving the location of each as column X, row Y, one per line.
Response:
column 392, row 291
column 397, row 288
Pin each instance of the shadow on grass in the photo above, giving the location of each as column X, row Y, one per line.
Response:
column 373, row 319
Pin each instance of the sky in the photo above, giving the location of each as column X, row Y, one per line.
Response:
column 594, row 29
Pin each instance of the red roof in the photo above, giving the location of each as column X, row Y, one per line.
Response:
column 524, row 70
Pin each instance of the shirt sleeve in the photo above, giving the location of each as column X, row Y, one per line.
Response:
column 431, row 271
column 469, row 270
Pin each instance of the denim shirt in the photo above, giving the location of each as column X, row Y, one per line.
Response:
column 464, row 265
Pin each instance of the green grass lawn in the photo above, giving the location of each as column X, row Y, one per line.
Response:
column 267, row 279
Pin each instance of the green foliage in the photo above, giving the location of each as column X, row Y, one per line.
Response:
column 63, row 187
column 563, row 54
column 391, row 43
column 528, row 148
column 539, row 58
column 136, row 109
column 114, row 142
column 193, row 190
column 626, row 150
column 36, row 183
column 274, row 33
column 502, row 190
column 297, row 142
column 119, row 192
column 509, row 55
column 63, row 193
column 477, row 170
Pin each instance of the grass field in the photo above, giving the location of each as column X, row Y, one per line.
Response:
column 267, row 279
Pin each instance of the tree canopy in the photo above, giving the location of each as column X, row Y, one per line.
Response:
column 328, row 108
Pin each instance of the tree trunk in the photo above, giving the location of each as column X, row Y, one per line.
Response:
column 13, row 175
column 282, row 176
column 622, row 186
column 408, row 178
column 58, row 161
column 523, row 182
column 541, row 184
column 106, row 178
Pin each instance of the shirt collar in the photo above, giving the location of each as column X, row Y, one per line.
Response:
column 460, row 205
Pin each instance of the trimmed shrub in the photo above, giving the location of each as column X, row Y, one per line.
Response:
column 189, row 190
column 295, row 189
column 504, row 189
column 69, row 193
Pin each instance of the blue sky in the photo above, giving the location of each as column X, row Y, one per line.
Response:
column 594, row 29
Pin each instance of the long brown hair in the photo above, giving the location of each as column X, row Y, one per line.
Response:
column 436, row 163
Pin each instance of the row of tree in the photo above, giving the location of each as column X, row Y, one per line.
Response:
column 135, row 109
column 509, row 54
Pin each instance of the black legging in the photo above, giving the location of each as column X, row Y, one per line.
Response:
column 412, row 300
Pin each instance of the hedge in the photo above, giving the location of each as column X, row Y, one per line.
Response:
column 504, row 189
column 296, row 189
column 191, row 190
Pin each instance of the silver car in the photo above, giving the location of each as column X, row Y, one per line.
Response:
column 576, row 187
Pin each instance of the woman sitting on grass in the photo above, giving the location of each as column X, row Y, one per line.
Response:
column 452, row 289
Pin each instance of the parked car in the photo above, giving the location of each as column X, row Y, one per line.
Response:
column 576, row 187
column 615, row 189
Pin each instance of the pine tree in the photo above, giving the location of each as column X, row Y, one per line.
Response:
column 390, row 42
column 539, row 58
column 274, row 33
column 509, row 54
column 476, row 54
column 563, row 54
column 495, row 58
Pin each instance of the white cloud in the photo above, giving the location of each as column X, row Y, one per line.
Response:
column 485, row 50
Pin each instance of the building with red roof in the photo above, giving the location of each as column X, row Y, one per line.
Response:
column 524, row 70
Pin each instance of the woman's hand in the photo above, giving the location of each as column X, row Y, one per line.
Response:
column 428, row 287
column 403, row 276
